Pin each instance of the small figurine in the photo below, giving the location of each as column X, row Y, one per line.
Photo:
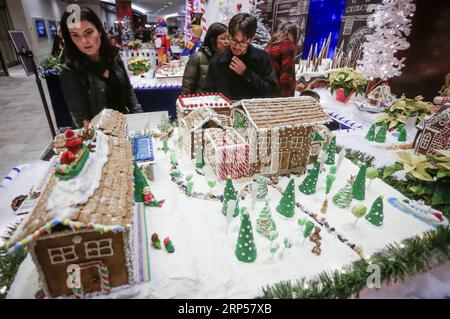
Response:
column 168, row 244
column 156, row 243
column 149, row 198
column 88, row 132
column 73, row 142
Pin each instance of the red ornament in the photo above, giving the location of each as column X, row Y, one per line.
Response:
column 69, row 134
column 42, row 231
column 239, row 6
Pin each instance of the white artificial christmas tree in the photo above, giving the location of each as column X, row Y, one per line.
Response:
column 391, row 22
column 127, row 32
column 262, row 36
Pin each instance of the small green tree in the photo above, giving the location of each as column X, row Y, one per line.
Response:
column 308, row 185
column 286, row 207
column 359, row 186
column 370, row 136
column 402, row 130
column 139, row 183
column 265, row 223
column 229, row 193
column 381, row 135
column 245, row 246
column 331, row 151
column 375, row 215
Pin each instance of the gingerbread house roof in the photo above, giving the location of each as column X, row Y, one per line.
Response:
column 284, row 112
column 109, row 208
column 443, row 114
column 196, row 118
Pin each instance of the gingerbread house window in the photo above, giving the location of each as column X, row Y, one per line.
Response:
column 62, row 254
column 283, row 142
column 425, row 140
column 443, row 122
column 297, row 142
column 98, row 248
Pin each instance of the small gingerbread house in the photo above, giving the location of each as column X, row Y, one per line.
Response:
column 278, row 131
column 433, row 133
column 227, row 153
column 192, row 127
column 78, row 233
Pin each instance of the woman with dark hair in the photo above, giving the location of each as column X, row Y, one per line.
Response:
column 282, row 49
column 94, row 76
column 194, row 77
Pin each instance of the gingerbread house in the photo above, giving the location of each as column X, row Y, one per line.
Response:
column 78, row 233
column 433, row 133
column 227, row 153
column 192, row 127
column 278, row 131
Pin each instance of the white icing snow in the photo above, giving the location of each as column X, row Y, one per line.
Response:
column 70, row 193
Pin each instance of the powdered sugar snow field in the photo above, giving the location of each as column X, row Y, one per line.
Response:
column 204, row 264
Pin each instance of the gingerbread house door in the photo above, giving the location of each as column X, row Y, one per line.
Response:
column 88, row 277
column 284, row 160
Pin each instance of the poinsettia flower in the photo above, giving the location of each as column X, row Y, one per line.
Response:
column 415, row 165
column 444, row 161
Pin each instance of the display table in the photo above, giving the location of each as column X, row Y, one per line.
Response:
column 354, row 126
column 153, row 94
column 204, row 245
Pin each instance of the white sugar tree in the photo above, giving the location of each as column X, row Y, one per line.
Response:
column 262, row 36
column 391, row 23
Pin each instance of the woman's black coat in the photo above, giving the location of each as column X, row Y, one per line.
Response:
column 85, row 92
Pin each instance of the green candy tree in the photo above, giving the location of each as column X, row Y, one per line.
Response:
column 245, row 246
column 370, row 136
column 308, row 185
column 402, row 130
column 139, row 183
column 286, row 207
column 262, row 188
column 343, row 197
column 229, row 193
column 375, row 215
column 381, row 135
column 265, row 223
column 331, row 151
column 359, row 186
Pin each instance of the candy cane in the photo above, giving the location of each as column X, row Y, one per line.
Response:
column 104, row 278
column 203, row 10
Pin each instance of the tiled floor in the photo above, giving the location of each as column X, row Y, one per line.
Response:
column 24, row 131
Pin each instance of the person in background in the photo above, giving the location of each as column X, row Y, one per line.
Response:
column 282, row 48
column 216, row 41
column 93, row 76
column 58, row 44
column 242, row 71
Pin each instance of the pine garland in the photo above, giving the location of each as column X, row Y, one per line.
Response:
column 9, row 265
column 397, row 262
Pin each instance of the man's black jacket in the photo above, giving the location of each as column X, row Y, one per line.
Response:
column 258, row 80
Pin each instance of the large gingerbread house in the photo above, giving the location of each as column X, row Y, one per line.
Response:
column 433, row 133
column 78, row 233
column 278, row 132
